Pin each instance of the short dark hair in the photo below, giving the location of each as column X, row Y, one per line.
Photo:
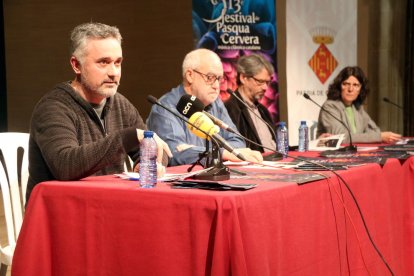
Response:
column 335, row 88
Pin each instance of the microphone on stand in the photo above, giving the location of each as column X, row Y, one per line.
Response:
column 192, row 108
column 275, row 155
column 199, row 121
column 351, row 148
column 385, row 99
column 218, row 171
column 188, row 105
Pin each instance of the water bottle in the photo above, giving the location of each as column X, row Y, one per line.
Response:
column 148, row 161
column 303, row 137
column 282, row 139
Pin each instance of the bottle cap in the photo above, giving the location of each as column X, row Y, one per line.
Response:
column 303, row 122
column 148, row 134
column 282, row 123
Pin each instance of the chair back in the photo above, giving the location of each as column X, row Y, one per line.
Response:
column 13, row 190
column 313, row 130
column 128, row 164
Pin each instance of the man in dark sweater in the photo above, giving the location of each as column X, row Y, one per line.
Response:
column 84, row 127
column 251, row 118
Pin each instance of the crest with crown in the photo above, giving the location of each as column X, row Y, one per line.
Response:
column 323, row 63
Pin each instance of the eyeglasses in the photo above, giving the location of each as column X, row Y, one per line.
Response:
column 354, row 85
column 261, row 82
column 211, row 78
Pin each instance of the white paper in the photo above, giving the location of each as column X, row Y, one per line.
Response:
column 166, row 177
column 332, row 142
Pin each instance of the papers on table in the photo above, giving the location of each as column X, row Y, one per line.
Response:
column 366, row 148
column 405, row 141
column 211, row 185
column 264, row 165
column 272, row 165
column 328, row 143
column 166, row 177
column 232, row 163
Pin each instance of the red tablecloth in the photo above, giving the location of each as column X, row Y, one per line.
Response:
column 108, row 226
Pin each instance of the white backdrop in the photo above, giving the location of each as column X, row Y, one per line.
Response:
column 324, row 31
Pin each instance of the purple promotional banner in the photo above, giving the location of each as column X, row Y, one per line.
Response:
column 233, row 28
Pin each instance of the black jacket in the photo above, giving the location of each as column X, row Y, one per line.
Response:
column 241, row 118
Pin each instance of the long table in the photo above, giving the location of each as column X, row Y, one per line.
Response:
column 108, row 226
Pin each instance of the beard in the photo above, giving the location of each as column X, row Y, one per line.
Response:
column 259, row 95
column 101, row 90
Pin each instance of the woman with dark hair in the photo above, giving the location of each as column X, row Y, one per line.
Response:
column 346, row 94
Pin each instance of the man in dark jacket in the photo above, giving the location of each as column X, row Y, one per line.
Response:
column 84, row 127
column 251, row 118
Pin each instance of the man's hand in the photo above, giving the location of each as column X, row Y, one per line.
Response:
column 161, row 145
column 250, row 155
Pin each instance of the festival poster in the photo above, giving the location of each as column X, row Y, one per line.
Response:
column 321, row 39
column 233, row 28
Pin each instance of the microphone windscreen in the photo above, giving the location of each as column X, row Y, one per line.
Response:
column 201, row 121
column 188, row 105
column 306, row 96
column 229, row 91
column 152, row 99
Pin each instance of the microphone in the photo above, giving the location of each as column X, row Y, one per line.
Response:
column 202, row 126
column 204, row 123
column 218, row 171
column 351, row 147
column 201, row 122
column 385, row 99
column 154, row 100
column 188, row 105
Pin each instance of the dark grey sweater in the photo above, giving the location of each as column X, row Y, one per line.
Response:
column 68, row 140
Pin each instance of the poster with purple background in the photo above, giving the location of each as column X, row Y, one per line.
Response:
column 233, row 28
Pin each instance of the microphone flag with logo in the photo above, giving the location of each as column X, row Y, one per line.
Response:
column 217, row 171
column 188, row 105
column 200, row 121
column 192, row 108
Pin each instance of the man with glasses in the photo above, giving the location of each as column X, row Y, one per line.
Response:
column 253, row 120
column 202, row 74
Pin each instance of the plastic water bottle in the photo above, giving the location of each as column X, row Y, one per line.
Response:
column 148, row 161
column 303, row 137
column 282, row 139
